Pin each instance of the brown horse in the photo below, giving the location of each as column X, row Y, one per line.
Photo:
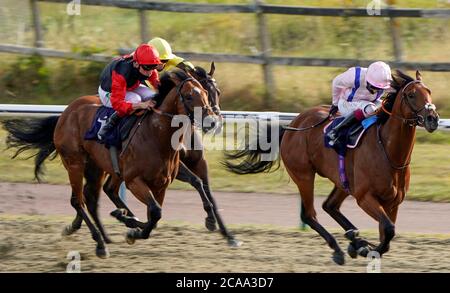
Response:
column 193, row 169
column 148, row 163
column 378, row 170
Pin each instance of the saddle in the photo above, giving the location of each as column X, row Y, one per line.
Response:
column 117, row 135
column 348, row 139
column 112, row 140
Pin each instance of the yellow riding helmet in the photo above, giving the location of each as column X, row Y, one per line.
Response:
column 163, row 47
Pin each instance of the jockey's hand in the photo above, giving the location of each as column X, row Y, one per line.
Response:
column 333, row 110
column 150, row 104
column 147, row 105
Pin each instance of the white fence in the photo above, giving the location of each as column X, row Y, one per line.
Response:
column 48, row 110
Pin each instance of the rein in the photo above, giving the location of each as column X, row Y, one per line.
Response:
column 380, row 141
column 159, row 112
column 305, row 128
column 418, row 120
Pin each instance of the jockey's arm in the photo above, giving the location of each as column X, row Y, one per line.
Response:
column 342, row 82
column 118, row 92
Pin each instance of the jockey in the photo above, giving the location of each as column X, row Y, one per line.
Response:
column 121, row 87
column 169, row 59
column 357, row 94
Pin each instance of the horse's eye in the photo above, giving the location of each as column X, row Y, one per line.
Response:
column 411, row 96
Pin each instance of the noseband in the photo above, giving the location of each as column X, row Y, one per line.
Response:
column 418, row 119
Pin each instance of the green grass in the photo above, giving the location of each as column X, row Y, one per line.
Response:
column 103, row 29
column 430, row 169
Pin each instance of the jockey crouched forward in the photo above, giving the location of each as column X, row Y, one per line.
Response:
column 121, row 87
column 357, row 94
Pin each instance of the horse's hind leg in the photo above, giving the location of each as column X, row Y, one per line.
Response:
column 332, row 205
column 305, row 185
column 74, row 227
column 386, row 227
column 94, row 178
column 123, row 213
column 75, row 170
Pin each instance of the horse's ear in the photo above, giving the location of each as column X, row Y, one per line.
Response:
column 213, row 68
column 418, row 75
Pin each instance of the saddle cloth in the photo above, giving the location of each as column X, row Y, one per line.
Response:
column 350, row 137
column 117, row 135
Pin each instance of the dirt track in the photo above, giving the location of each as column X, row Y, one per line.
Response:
column 32, row 241
column 236, row 208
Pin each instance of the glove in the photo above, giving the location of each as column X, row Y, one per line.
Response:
column 333, row 110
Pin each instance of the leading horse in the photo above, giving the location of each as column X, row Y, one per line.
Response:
column 378, row 171
column 148, row 163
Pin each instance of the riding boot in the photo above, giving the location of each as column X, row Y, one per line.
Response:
column 333, row 135
column 109, row 125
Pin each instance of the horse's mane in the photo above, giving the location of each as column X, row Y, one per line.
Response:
column 201, row 72
column 167, row 85
column 399, row 80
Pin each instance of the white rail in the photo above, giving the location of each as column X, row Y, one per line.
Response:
column 48, row 110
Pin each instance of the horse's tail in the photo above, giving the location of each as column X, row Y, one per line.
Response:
column 32, row 134
column 250, row 160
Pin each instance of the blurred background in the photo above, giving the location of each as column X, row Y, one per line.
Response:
column 32, row 79
column 28, row 79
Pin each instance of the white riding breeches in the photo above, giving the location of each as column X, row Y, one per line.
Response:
column 141, row 94
column 368, row 108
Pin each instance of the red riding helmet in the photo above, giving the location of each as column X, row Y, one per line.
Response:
column 146, row 54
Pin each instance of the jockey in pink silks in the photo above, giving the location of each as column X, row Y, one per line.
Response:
column 357, row 94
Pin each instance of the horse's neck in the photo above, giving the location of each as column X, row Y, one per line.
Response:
column 160, row 123
column 398, row 138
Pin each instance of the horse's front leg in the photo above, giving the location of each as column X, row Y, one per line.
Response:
column 123, row 214
column 332, row 206
column 140, row 189
column 373, row 208
column 186, row 175
column 200, row 168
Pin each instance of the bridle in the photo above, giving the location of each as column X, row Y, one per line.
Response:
column 418, row 119
column 211, row 81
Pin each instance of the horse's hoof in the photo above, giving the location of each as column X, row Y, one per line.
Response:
column 339, row 257
column 210, row 224
column 102, row 252
column 68, row 230
column 118, row 213
column 363, row 251
column 233, row 243
column 352, row 251
column 129, row 237
column 351, row 234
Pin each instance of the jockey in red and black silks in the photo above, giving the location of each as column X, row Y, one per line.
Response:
column 122, row 84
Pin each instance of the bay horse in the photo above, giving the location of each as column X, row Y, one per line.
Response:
column 148, row 163
column 193, row 169
column 378, row 170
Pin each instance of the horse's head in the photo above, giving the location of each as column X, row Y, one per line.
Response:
column 413, row 101
column 209, row 84
column 193, row 100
